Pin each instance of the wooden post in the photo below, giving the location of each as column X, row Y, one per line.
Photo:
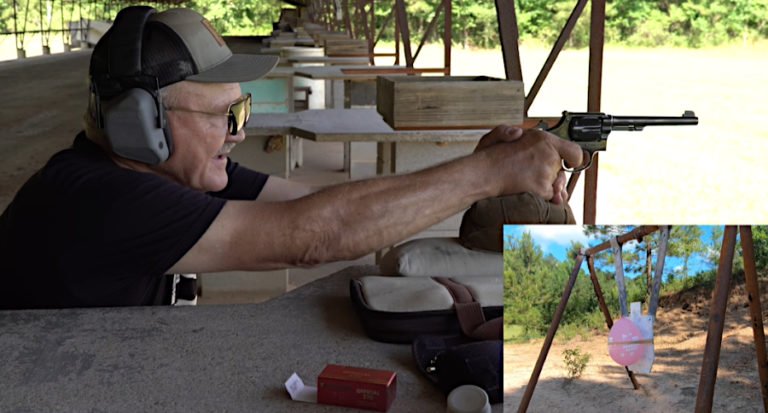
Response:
column 755, row 309
column 599, row 292
column 716, row 323
column 550, row 336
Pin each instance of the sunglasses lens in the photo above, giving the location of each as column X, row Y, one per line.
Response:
column 232, row 123
column 239, row 113
column 248, row 107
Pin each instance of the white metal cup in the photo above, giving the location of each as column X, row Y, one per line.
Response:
column 468, row 399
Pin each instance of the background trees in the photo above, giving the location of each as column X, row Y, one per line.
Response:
column 534, row 281
column 648, row 23
column 687, row 23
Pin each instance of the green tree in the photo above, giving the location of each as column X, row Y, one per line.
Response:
column 760, row 243
column 685, row 242
column 522, row 289
column 239, row 17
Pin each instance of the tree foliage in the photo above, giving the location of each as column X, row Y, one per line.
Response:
column 690, row 23
column 760, row 241
column 239, row 17
column 534, row 281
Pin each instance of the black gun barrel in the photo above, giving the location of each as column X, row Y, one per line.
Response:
column 636, row 123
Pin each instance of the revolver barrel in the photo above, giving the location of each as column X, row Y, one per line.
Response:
column 637, row 123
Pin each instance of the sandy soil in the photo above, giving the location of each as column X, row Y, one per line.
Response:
column 672, row 385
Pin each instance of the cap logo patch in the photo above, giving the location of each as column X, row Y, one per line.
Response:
column 215, row 35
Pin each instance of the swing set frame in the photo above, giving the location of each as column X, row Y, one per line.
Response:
column 718, row 306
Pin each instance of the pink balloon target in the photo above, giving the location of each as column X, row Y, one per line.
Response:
column 625, row 342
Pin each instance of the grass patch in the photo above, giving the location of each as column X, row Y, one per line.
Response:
column 514, row 333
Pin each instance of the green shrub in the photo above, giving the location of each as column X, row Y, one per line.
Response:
column 575, row 362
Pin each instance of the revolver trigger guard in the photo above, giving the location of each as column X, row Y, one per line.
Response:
column 590, row 156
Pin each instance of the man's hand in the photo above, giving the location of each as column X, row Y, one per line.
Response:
column 530, row 161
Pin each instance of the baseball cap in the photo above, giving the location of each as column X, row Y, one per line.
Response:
column 176, row 44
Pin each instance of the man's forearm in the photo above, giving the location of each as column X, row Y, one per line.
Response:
column 350, row 220
column 361, row 217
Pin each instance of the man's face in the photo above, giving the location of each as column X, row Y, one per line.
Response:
column 201, row 142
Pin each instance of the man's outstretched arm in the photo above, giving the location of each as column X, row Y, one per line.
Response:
column 353, row 219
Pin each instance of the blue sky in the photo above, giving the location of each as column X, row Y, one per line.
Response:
column 555, row 239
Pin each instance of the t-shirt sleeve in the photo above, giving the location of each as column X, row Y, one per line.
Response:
column 244, row 183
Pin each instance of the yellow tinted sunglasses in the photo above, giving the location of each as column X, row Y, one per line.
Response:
column 237, row 113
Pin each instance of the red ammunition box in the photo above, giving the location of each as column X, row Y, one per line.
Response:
column 356, row 387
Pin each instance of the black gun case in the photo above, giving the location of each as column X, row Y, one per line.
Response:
column 398, row 309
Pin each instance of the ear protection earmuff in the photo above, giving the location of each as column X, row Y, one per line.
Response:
column 128, row 103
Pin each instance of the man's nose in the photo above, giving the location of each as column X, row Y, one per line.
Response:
column 237, row 138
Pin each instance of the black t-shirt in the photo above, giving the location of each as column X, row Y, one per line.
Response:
column 83, row 232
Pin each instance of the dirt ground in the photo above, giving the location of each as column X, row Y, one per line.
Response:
column 671, row 386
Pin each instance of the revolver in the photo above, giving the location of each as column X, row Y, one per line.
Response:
column 590, row 129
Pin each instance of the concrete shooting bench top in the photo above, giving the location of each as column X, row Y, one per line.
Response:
column 233, row 358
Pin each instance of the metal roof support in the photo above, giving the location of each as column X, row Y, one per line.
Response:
column 80, row 23
column 397, row 40
column 348, row 19
column 43, row 38
column 430, row 27
column 372, row 30
column 510, row 37
column 565, row 34
column 64, row 31
column 447, row 36
column 402, row 22
column 20, row 39
column 359, row 19
column 594, row 93
column 15, row 25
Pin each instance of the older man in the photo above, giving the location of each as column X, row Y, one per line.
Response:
column 147, row 189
